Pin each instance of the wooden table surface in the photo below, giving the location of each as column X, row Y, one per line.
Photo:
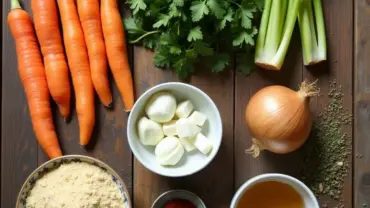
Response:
column 348, row 34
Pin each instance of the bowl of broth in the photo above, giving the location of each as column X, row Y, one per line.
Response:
column 274, row 191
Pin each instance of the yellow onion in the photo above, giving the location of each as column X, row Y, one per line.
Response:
column 279, row 119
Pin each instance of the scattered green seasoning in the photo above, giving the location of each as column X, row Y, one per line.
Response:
column 185, row 32
column 326, row 152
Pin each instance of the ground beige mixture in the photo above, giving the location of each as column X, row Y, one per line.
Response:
column 75, row 185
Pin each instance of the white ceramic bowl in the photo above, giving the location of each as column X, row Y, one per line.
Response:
column 191, row 162
column 308, row 197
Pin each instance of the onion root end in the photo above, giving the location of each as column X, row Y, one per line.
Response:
column 255, row 149
column 308, row 89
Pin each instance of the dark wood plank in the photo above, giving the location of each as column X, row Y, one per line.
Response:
column 290, row 75
column 338, row 67
column 362, row 104
column 214, row 184
column 108, row 142
column 18, row 143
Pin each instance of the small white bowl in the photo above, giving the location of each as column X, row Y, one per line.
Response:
column 178, row 194
column 191, row 162
column 308, row 197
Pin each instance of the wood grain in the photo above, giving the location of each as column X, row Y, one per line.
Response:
column 337, row 68
column 20, row 153
column 214, row 184
column 362, row 104
column 290, row 75
column 18, row 143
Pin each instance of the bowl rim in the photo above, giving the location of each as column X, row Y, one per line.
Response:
column 272, row 177
column 178, row 190
column 171, row 84
column 74, row 156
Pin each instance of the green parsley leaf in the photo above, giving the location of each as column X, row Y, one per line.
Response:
column 165, row 39
column 162, row 21
column 245, row 37
column 184, row 32
column 195, row 34
column 179, row 3
column 260, row 4
column 174, row 11
column 137, row 5
column 245, row 14
column 216, row 8
column 132, row 27
column 198, row 10
column 227, row 18
column 191, row 54
column 183, row 67
column 153, row 10
column 220, row 62
column 161, row 59
column 203, row 48
column 175, row 49
column 169, row 41
column 245, row 63
column 151, row 42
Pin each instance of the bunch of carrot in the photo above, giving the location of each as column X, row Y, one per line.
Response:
column 93, row 35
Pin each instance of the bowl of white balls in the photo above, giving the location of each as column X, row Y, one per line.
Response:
column 174, row 129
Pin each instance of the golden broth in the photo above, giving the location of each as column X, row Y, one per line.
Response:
column 270, row 194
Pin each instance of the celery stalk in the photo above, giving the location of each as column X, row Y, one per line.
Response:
column 277, row 24
column 320, row 24
column 274, row 29
column 263, row 31
column 312, row 29
column 284, row 45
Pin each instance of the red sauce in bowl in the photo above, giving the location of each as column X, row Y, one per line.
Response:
column 179, row 203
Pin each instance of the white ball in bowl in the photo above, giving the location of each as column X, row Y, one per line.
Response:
column 161, row 107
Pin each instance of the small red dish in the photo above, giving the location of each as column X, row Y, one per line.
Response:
column 178, row 199
column 179, row 203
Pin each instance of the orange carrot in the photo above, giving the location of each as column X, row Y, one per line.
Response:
column 32, row 74
column 78, row 61
column 115, row 43
column 45, row 15
column 89, row 13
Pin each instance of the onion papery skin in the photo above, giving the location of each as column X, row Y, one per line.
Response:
column 279, row 118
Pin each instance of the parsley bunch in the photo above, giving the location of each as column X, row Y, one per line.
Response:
column 183, row 32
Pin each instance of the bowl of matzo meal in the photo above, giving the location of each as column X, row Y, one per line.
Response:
column 74, row 181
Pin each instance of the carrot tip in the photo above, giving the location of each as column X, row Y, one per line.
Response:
column 83, row 144
column 110, row 105
column 66, row 119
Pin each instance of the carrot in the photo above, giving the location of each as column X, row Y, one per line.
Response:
column 89, row 13
column 45, row 16
column 115, row 43
column 32, row 75
column 78, row 61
